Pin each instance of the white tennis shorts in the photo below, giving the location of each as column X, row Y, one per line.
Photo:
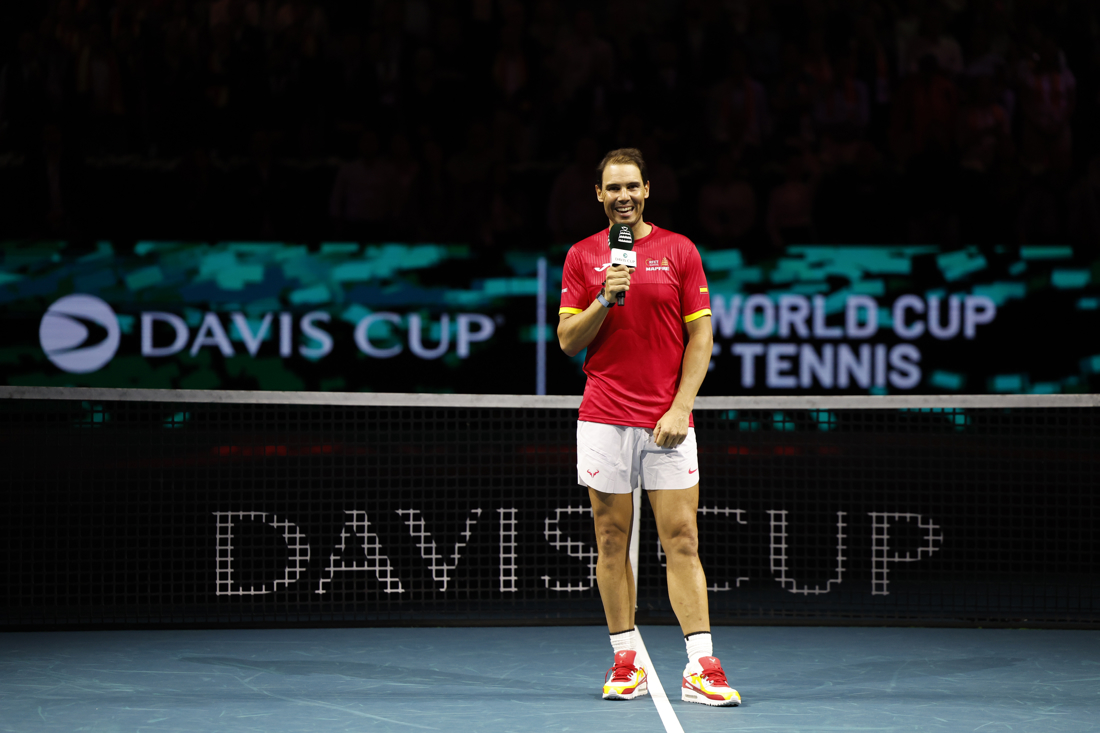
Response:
column 616, row 459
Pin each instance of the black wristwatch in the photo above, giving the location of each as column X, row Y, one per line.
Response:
column 604, row 301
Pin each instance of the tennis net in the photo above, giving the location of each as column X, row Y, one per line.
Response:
column 144, row 507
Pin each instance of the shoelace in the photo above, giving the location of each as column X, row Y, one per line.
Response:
column 621, row 672
column 716, row 677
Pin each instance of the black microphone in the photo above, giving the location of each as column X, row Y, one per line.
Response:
column 621, row 239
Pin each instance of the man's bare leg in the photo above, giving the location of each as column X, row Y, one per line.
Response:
column 676, row 512
column 613, row 515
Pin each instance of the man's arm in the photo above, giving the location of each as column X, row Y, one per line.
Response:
column 672, row 428
column 576, row 331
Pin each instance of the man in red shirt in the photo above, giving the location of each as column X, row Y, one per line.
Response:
column 635, row 428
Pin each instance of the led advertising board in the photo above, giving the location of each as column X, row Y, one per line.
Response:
column 448, row 318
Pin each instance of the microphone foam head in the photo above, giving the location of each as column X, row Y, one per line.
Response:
column 621, row 236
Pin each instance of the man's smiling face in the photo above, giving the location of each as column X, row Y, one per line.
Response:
column 623, row 194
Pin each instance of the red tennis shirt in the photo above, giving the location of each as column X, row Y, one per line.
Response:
column 635, row 362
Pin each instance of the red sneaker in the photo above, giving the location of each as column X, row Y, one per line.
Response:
column 625, row 681
column 705, row 683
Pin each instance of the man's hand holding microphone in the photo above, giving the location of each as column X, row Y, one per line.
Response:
column 617, row 282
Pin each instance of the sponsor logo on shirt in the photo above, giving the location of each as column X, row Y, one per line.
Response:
column 652, row 265
column 565, row 290
column 602, row 267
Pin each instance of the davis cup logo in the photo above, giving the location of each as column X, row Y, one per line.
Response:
column 79, row 333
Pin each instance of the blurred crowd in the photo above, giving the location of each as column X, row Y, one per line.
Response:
column 765, row 123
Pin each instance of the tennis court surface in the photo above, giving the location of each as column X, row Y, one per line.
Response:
column 463, row 680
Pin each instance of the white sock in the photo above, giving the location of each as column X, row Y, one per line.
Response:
column 625, row 640
column 699, row 645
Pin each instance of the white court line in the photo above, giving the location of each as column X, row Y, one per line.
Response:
column 657, row 692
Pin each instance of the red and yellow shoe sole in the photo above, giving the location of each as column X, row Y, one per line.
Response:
column 692, row 693
column 626, row 692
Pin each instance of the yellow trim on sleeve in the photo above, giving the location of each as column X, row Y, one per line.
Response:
column 573, row 311
column 697, row 314
column 703, row 290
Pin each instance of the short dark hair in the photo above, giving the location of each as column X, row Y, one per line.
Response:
column 624, row 156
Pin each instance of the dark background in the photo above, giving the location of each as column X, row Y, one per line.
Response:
column 764, row 123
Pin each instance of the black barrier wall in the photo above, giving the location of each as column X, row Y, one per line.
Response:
column 131, row 512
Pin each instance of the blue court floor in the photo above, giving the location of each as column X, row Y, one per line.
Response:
column 543, row 679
